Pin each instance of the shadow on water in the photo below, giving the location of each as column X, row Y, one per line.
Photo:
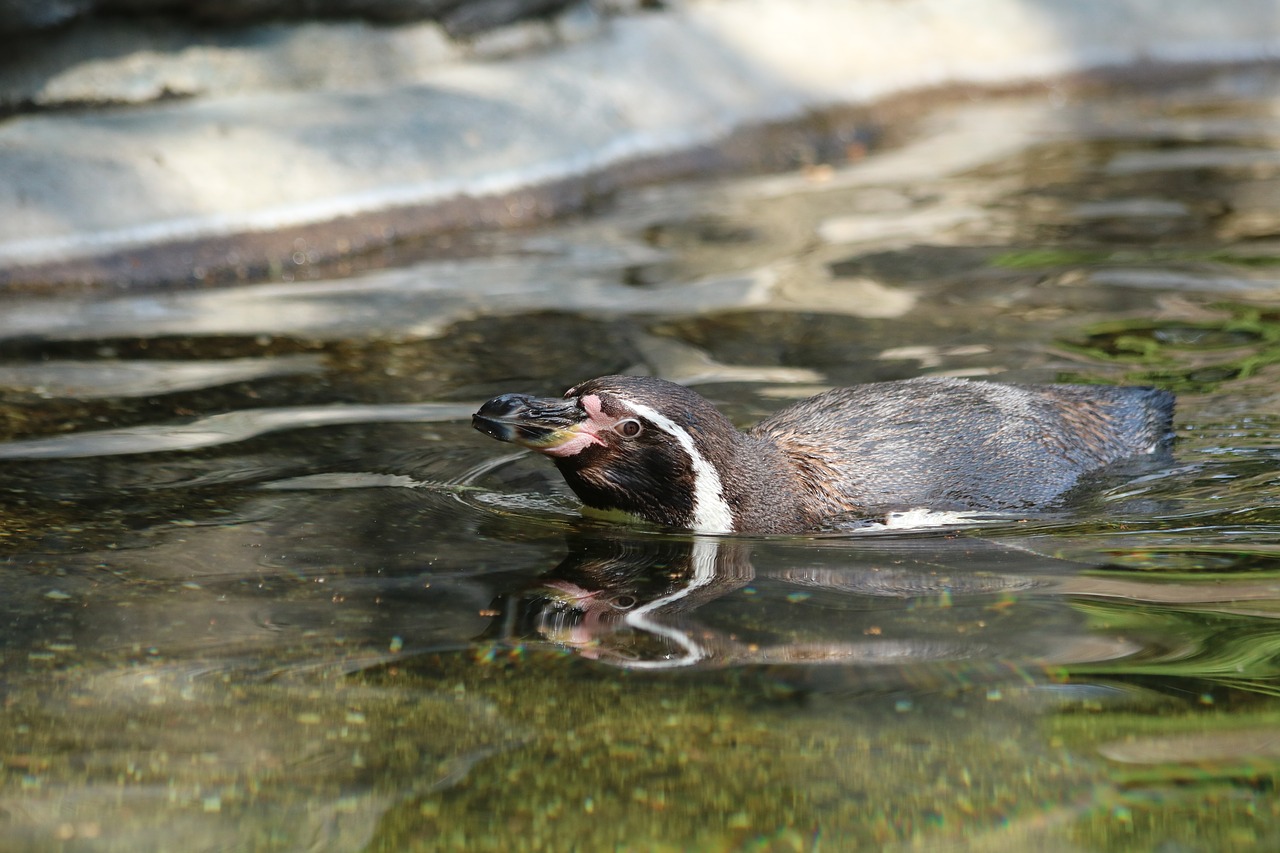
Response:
column 264, row 588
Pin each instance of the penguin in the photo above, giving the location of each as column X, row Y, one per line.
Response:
column 663, row 453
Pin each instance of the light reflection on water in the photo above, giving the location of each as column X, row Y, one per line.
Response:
column 264, row 587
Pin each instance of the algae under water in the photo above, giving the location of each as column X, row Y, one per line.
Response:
column 265, row 589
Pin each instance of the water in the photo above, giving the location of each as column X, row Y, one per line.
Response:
column 264, row 588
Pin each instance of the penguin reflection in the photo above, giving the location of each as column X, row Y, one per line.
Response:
column 626, row 601
column 631, row 602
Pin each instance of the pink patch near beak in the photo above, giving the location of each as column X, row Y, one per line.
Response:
column 582, row 439
column 586, row 433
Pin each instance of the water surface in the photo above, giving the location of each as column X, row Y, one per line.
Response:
column 265, row 588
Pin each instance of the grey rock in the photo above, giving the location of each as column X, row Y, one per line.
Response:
column 461, row 18
column 481, row 15
column 22, row 15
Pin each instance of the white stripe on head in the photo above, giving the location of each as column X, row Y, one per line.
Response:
column 711, row 513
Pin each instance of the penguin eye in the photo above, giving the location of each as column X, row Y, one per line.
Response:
column 629, row 428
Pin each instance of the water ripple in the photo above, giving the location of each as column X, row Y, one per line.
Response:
column 95, row 380
column 226, row 428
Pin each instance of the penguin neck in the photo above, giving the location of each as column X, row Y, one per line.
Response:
column 761, row 486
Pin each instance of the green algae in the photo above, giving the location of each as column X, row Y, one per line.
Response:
column 1200, row 779
column 1200, row 774
column 1065, row 256
column 215, row 758
column 733, row 761
column 1181, row 356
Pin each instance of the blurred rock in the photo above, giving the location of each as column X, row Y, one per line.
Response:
column 18, row 16
column 242, row 11
column 115, row 62
column 253, row 126
column 476, row 17
column 460, row 18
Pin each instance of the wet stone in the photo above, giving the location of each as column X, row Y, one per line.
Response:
column 917, row 264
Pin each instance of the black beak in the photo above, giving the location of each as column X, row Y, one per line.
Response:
column 539, row 423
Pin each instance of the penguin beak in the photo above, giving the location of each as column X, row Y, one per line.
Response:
column 544, row 424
